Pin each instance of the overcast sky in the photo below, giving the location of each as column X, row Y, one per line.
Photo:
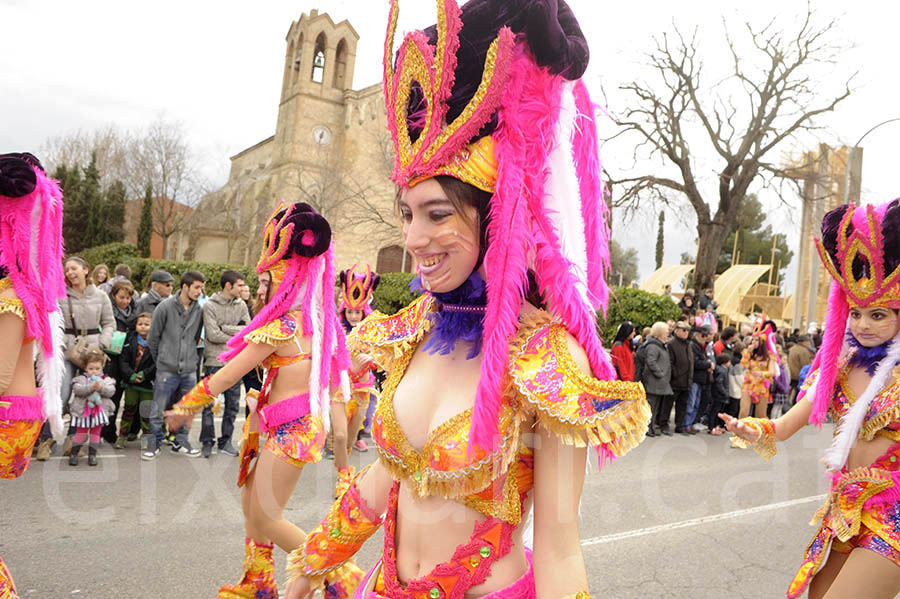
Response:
column 216, row 67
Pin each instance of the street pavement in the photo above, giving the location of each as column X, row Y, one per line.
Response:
column 678, row 517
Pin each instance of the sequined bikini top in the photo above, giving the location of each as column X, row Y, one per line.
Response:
column 883, row 417
column 279, row 331
column 544, row 384
column 12, row 305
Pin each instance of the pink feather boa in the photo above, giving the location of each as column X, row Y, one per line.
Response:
column 37, row 277
column 520, row 227
column 827, row 358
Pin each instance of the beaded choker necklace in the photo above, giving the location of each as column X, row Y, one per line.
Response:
column 460, row 316
column 867, row 357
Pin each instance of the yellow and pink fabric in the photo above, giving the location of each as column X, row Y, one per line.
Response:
column 862, row 508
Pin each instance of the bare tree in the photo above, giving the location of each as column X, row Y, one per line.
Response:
column 769, row 96
column 110, row 145
column 347, row 198
column 162, row 157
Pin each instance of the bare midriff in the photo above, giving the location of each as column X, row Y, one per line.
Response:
column 292, row 379
column 864, row 453
column 429, row 529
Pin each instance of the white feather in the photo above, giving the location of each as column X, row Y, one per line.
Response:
column 563, row 193
column 852, row 420
column 49, row 373
column 316, row 318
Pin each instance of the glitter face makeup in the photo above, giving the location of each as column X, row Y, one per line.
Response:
column 443, row 241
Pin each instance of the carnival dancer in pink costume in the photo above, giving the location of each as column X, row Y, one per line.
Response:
column 31, row 283
column 298, row 339
column 497, row 379
column 347, row 414
column 856, row 380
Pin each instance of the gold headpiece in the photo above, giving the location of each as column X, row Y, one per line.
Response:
column 440, row 147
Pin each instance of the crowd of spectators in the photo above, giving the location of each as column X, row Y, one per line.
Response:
column 153, row 347
column 701, row 369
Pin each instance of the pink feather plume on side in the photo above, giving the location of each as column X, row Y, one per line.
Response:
column 505, row 260
column 593, row 197
column 827, row 358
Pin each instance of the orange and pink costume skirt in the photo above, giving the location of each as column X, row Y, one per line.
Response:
column 861, row 510
column 294, row 435
column 21, row 417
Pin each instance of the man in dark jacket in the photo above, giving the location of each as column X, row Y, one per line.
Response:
column 702, row 377
column 160, row 288
column 173, row 343
column 656, row 374
column 682, row 364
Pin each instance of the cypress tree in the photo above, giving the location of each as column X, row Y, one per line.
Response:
column 659, row 238
column 114, row 229
column 73, row 207
column 145, row 228
column 93, row 206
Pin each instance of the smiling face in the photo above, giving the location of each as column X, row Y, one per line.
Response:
column 76, row 273
column 123, row 298
column 874, row 326
column 444, row 239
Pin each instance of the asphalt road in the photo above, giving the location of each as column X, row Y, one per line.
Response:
column 677, row 517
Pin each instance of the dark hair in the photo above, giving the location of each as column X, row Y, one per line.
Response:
column 728, row 333
column 83, row 264
column 625, row 329
column 123, row 270
column 723, row 357
column 230, row 276
column 119, row 286
column 144, row 315
column 192, row 276
column 762, row 350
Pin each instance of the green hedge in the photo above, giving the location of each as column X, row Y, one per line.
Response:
column 393, row 292
column 112, row 254
column 639, row 307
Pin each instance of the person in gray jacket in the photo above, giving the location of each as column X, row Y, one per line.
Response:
column 224, row 315
column 160, row 288
column 173, row 344
column 86, row 312
column 657, row 371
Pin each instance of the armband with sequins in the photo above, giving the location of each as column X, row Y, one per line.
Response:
column 195, row 400
column 579, row 595
column 765, row 444
column 347, row 526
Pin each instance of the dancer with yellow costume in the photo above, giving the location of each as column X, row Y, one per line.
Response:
column 497, row 381
column 296, row 337
column 856, row 380
column 31, row 284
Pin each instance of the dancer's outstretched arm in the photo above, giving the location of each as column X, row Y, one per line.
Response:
column 785, row 426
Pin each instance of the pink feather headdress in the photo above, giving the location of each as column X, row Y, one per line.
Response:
column 31, row 250
column 357, row 290
column 860, row 248
column 299, row 255
column 548, row 213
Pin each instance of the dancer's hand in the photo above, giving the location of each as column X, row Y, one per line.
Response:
column 175, row 421
column 299, row 588
column 738, row 428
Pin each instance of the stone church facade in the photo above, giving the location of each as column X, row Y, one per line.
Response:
column 330, row 149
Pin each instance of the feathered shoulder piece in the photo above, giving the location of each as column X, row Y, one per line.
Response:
column 388, row 337
column 277, row 331
column 580, row 409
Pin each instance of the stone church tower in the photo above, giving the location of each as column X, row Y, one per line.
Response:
column 330, row 149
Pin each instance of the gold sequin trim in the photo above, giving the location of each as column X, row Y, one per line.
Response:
column 11, row 305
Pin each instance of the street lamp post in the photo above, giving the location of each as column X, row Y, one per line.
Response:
column 852, row 154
